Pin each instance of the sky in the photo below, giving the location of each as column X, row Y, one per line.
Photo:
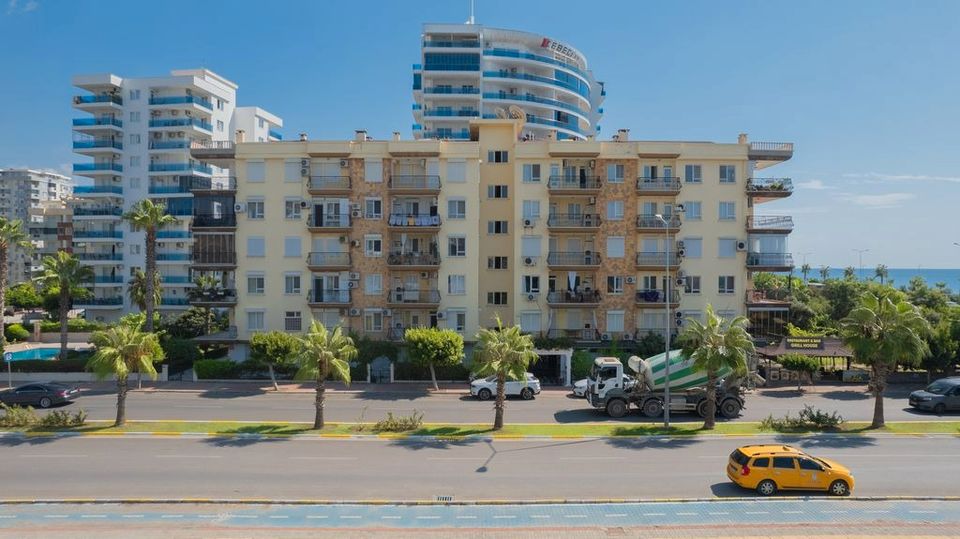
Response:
column 867, row 90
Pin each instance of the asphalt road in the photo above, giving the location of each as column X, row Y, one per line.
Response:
column 548, row 407
column 278, row 469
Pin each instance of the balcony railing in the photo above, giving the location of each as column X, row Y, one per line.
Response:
column 169, row 144
column 504, row 74
column 328, row 259
column 174, row 302
column 451, row 90
column 574, row 220
column 780, row 295
column 83, row 234
column 514, row 53
column 464, row 113
column 585, row 182
column 204, row 257
column 573, row 258
column 97, row 143
column 174, row 257
column 769, row 259
column 98, row 256
column 216, row 183
column 329, row 183
column 412, row 259
column 181, row 100
column 657, row 258
column 582, row 334
column 653, row 296
column 174, row 234
column 180, row 167
column 97, row 167
column 80, row 303
column 535, row 99
column 773, row 223
column 415, row 181
column 652, row 221
column 413, row 296
column 80, row 212
column 413, row 220
column 329, row 220
column 175, row 279
column 92, row 122
column 769, row 186
column 95, row 99
column 670, row 184
column 96, row 189
column 329, row 296
column 182, row 122
column 273, row 133
column 225, row 296
column 108, row 279
column 462, row 134
column 466, row 43
column 224, row 220
column 574, row 298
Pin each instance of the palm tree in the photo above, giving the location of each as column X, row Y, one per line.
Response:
column 505, row 353
column 882, row 273
column 824, row 273
column 805, row 270
column 882, row 331
column 11, row 235
column 64, row 272
column 121, row 350
column 849, row 272
column 150, row 217
column 324, row 355
column 137, row 289
column 714, row 345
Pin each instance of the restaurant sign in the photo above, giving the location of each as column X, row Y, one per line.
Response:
column 803, row 343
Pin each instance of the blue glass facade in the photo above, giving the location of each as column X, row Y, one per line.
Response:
column 451, row 61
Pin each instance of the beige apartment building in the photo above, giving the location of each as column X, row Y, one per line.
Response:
column 566, row 238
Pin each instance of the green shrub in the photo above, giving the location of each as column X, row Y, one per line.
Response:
column 400, row 423
column 580, row 364
column 16, row 416
column 552, row 343
column 74, row 325
column 274, row 348
column 63, row 418
column 180, row 353
column 75, row 362
column 434, row 347
column 409, row 371
column 800, row 364
column 23, row 296
column 16, row 333
column 810, row 418
column 216, row 369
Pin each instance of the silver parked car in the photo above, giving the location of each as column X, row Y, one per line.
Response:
column 938, row 397
column 486, row 388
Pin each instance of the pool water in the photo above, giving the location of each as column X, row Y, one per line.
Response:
column 35, row 353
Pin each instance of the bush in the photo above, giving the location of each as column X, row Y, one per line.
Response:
column 810, row 418
column 15, row 416
column 274, row 348
column 75, row 362
column 409, row 371
column 74, row 325
column 180, row 354
column 216, row 369
column 800, row 364
column 63, row 418
column 193, row 323
column 552, row 343
column 580, row 364
column 433, row 347
column 16, row 333
column 399, row 424
column 24, row 296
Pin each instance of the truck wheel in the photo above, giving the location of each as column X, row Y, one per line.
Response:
column 730, row 408
column 702, row 408
column 616, row 408
column 484, row 394
column 767, row 488
column 653, row 408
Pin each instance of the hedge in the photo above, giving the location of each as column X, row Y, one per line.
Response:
column 216, row 369
column 16, row 333
column 180, row 354
column 71, row 364
column 74, row 325
column 406, row 370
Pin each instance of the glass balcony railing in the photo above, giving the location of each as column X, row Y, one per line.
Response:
column 329, row 296
column 176, row 257
column 535, row 99
column 84, row 234
column 88, row 122
column 97, row 167
column 657, row 258
column 465, row 113
column 462, row 134
column 404, row 296
column 225, row 220
column 571, row 297
column 169, row 144
column 446, row 43
column 182, row 100
column 273, row 133
column 412, row 259
column 413, row 220
column 504, row 74
column 81, row 212
column 181, row 167
column 451, row 90
column 573, row 258
column 97, row 143
column 554, row 123
column 574, row 220
column 97, row 302
column 513, row 53
column 174, row 302
column 182, row 122
column 769, row 260
column 226, row 296
column 97, row 189
column 415, row 181
column 87, row 257
column 324, row 183
column 174, row 234
column 652, row 221
column 175, row 279
column 108, row 279
column 328, row 259
column 95, row 99
column 664, row 184
column 653, row 296
column 574, row 182
column 329, row 220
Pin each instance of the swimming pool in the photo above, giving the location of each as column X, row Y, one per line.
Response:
column 35, row 353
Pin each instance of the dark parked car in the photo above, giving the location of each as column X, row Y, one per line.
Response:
column 938, row 397
column 42, row 395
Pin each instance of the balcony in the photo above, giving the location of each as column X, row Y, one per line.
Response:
column 413, row 260
column 328, row 260
column 210, row 259
column 274, row 134
column 320, row 185
column 769, row 153
column 444, row 90
column 589, row 184
column 98, row 212
column 667, row 186
column 569, row 298
column 761, row 189
column 769, row 261
column 181, row 144
column 424, row 183
column 405, row 297
column 93, row 303
column 458, row 43
column 173, row 257
column 211, row 186
column 219, row 297
column 97, row 144
column 92, row 101
column 536, row 99
column 92, row 124
column 99, row 257
column 778, row 299
column 418, row 221
column 108, row 168
column 174, row 302
column 443, row 113
column 654, row 297
column 108, row 280
column 568, row 86
column 760, row 224
column 573, row 221
column 180, row 167
column 175, row 279
column 657, row 260
column 98, row 190
column 213, row 150
column 447, row 134
column 223, row 220
column 574, row 259
column 652, row 223
column 182, row 100
column 97, row 234
column 580, row 335
column 181, row 122
column 323, row 222
column 174, row 235
column 319, row 298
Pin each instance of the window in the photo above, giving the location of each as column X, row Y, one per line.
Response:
column 373, row 284
column 615, row 210
column 373, row 321
column 784, row 462
column 457, row 284
column 134, row 116
column 220, row 125
column 648, row 282
column 134, row 139
column 256, row 321
column 530, row 246
column 497, row 227
column 291, row 170
column 530, row 322
column 134, row 249
column 260, row 122
column 291, row 208
column 373, row 245
column 693, row 174
column 497, row 191
column 614, row 173
column 291, row 283
column 761, row 462
column 134, row 95
column 458, row 318
column 693, row 210
column 497, row 156
column 255, row 246
column 135, row 183
column 808, row 464
column 614, row 284
column 292, row 321
column 615, row 247
column 219, row 104
column 456, row 171
column 728, row 174
column 373, row 170
column 691, row 284
column 255, row 283
column 728, row 211
column 372, row 208
column 531, row 209
column 291, row 247
column 725, row 284
column 134, row 160
column 255, row 209
column 531, row 173
column 726, row 248
column 693, row 247
column 457, row 209
column 496, row 298
column 531, row 284
column 496, row 262
column 615, row 321
column 256, row 171
column 456, row 246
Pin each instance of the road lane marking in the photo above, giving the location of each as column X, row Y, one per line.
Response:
column 55, row 516
column 93, row 516
column 877, row 511
column 316, row 516
column 49, row 456
column 758, row 512
column 838, row 511
column 457, row 458
column 279, row 516
column 189, row 456
column 8, row 516
column 574, row 516
column 592, row 458
column 539, row 516
column 393, row 517
column 171, row 516
column 615, row 515
column 924, row 512
column 426, row 517
column 131, row 516
column 792, row 512
column 687, row 514
column 718, row 513
column 654, row 514
column 208, row 516
column 504, row 516
column 243, row 516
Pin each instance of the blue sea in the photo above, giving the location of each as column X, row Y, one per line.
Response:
column 899, row 276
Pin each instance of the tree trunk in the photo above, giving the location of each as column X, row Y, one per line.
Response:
column 139, row 379
column 433, row 377
column 878, row 384
column 151, row 264
column 3, row 297
column 64, row 309
column 318, row 404
column 710, row 421
column 498, row 404
column 121, row 402
column 272, row 377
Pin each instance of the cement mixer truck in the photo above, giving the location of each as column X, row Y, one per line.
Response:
column 606, row 389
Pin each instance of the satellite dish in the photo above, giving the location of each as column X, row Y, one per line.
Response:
column 501, row 113
column 517, row 113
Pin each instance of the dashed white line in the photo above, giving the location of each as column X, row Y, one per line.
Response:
column 208, row 516
column 316, row 516
column 171, row 516
column 189, row 456
column 504, row 516
column 687, row 514
column 349, row 516
column 245, row 516
column 465, row 517
column 322, row 458
column 923, row 512
column 718, row 513
column 279, row 516
column 54, row 516
column 8, row 516
column 393, row 517
column 753, row 513
column 792, row 512
column 615, row 515
column 131, row 516
column 877, row 511
column 539, row 516
column 592, row 458
column 93, row 516
column 834, row 512
column 49, row 456
column 430, row 517
column 574, row 516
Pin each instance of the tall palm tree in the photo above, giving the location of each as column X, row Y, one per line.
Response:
column 714, row 345
column 882, row 331
column 849, row 272
column 121, row 350
column 12, row 235
column 504, row 353
column 324, row 355
column 64, row 272
column 824, row 273
column 882, row 273
column 150, row 217
column 137, row 289
column 805, row 270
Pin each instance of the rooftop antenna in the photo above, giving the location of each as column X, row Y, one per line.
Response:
column 470, row 20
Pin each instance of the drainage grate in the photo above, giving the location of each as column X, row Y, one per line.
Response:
column 444, row 498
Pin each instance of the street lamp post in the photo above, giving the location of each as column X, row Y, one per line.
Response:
column 804, row 255
column 666, row 304
column 860, row 252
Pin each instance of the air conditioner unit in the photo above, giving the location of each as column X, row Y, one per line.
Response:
column 529, row 261
column 343, row 239
column 678, row 315
column 388, row 313
column 304, row 204
column 355, row 214
column 351, row 284
column 528, row 223
column 681, row 252
column 605, row 337
column 305, row 171
column 355, row 243
column 354, row 276
column 679, row 322
column 423, row 162
column 355, row 206
column 239, row 207
column 441, row 315
column 741, row 245
column 304, row 163
column 592, row 201
column 424, row 275
column 681, row 274
column 162, row 244
column 179, row 244
column 631, row 280
column 680, row 281
column 531, row 297
column 354, row 312
column 679, row 244
column 344, row 163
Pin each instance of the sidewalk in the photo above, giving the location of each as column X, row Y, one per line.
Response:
column 265, row 386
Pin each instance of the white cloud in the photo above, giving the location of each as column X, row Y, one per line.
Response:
column 816, row 185
column 888, row 200
column 14, row 6
column 902, row 177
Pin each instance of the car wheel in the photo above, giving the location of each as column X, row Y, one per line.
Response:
column 526, row 394
column 617, row 408
column 484, row 394
column 839, row 488
column 939, row 408
column 767, row 488
column 702, row 408
column 45, row 402
column 653, row 408
column 730, row 408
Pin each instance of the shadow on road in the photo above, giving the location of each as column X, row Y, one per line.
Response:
column 243, row 441
column 230, row 393
column 654, row 442
column 846, row 395
column 929, row 415
column 781, row 393
column 590, row 415
column 16, row 441
column 438, row 443
column 836, row 442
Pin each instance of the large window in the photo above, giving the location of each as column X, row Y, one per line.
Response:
column 373, row 284
column 255, row 283
column 451, row 61
column 255, row 208
column 691, row 284
column 726, row 247
column 693, row 247
column 292, row 247
column 256, row 320
column 456, row 171
column 497, row 262
column 615, row 321
column 291, row 208
column 256, row 171
column 373, row 320
column 498, row 191
column 292, row 321
column 497, row 227
column 693, row 174
column 531, row 173
column 255, row 246
column 457, row 246
column 456, row 208
column 497, row 156
column 531, row 209
column 615, row 210
column 614, row 284
column 456, row 285
column 728, row 211
column 496, row 298
column 531, row 284
column 373, row 170
column 725, row 284
column 372, row 208
column 615, row 247
column 614, row 173
column 373, row 245
column 694, row 210
column 728, row 174
column 291, row 283
column 530, row 321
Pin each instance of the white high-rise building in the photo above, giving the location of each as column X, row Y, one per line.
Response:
column 469, row 71
column 20, row 191
column 139, row 135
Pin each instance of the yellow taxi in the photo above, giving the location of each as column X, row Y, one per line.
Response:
column 769, row 468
